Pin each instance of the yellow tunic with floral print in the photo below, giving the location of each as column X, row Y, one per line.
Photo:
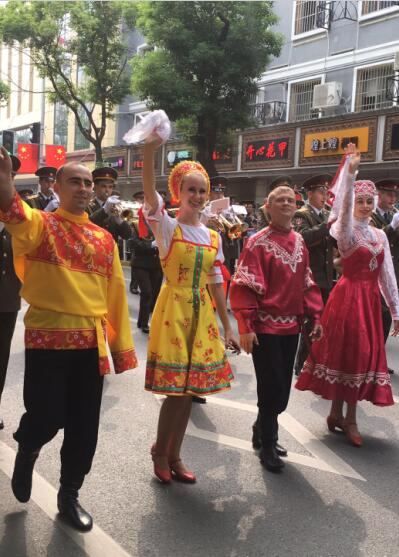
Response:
column 185, row 353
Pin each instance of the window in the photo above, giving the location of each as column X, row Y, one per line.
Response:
column 60, row 124
column 309, row 15
column 301, row 100
column 80, row 141
column 370, row 7
column 371, row 88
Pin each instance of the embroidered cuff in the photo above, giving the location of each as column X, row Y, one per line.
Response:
column 124, row 360
column 245, row 325
column 16, row 212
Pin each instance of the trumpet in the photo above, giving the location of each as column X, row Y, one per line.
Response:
column 231, row 225
column 128, row 211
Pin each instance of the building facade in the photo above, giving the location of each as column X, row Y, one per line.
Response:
column 352, row 48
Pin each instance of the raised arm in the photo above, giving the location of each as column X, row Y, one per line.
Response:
column 151, row 145
column 7, row 189
column 342, row 229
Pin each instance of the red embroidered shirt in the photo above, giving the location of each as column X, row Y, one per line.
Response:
column 273, row 285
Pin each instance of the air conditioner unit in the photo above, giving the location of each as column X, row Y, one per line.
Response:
column 396, row 62
column 326, row 95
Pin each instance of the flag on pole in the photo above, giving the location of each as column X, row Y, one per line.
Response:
column 28, row 154
column 55, row 155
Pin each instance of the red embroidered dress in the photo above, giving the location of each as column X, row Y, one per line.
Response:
column 73, row 280
column 273, row 286
column 349, row 363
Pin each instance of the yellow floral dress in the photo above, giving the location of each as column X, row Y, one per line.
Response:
column 185, row 353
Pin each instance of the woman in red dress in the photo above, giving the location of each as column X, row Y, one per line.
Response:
column 349, row 363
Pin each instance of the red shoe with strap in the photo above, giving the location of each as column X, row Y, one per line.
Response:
column 335, row 423
column 161, row 467
column 353, row 435
column 181, row 475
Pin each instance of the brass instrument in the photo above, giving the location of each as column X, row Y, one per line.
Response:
column 231, row 224
column 128, row 211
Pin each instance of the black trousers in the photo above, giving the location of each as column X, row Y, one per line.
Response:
column 303, row 349
column 149, row 281
column 62, row 390
column 274, row 362
column 7, row 327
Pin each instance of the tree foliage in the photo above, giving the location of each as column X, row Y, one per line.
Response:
column 204, row 69
column 4, row 93
column 64, row 35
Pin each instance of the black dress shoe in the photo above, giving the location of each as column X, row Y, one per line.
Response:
column 1, row 424
column 391, row 371
column 72, row 511
column 256, row 442
column 270, row 459
column 135, row 291
column 145, row 330
column 199, row 399
column 281, row 451
column 21, row 481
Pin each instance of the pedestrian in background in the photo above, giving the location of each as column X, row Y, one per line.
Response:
column 10, row 301
column 146, row 270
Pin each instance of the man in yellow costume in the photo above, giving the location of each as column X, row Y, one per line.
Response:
column 72, row 279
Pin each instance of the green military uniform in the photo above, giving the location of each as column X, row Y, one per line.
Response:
column 97, row 213
column 312, row 226
column 314, row 230
column 382, row 220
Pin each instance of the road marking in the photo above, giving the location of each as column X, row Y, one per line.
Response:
column 95, row 543
column 323, row 458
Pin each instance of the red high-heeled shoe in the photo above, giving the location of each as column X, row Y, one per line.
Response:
column 333, row 423
column 163, row 474
column 354, row 438
column 186, row 477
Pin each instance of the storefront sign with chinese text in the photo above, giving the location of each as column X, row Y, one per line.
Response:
column 268, row 149
column 333, row 142
column 174, row 157
column 115, row 162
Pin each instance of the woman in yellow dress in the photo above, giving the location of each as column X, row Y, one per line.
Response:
column 185, row 354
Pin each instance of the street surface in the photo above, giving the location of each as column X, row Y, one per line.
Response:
column 331, row 500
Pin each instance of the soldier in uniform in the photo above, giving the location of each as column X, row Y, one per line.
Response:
column 311, row 222
column 386, row 217
column 45, row 194
column 103, row 208
column 10, row 301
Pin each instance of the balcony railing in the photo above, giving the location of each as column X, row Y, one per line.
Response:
column 270, row 112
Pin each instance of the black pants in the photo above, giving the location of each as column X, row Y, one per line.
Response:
column 149, row 281
column 303, row 349
column 62, row 390
column 274, row 362
column 7, row 327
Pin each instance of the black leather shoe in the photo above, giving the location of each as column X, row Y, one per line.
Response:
column 270, row 459
column 135, row 291
column 256, row 442
column 199, row 399
column 391, row 371
column 281, row 451
column 1, row 424
column 21, row 481
column 72, row 511
column 145, row 330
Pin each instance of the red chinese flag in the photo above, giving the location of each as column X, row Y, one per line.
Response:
column 28, row 154
column 55, row 155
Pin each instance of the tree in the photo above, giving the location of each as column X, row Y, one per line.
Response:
column 4, row 93
column 64, row 37
column 203, row 72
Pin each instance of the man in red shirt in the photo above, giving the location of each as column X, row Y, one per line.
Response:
column 272, row 290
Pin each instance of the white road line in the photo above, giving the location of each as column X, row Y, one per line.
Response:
column 95, row 543
column 323, row 457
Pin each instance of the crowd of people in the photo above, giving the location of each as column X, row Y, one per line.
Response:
column 312, row 286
